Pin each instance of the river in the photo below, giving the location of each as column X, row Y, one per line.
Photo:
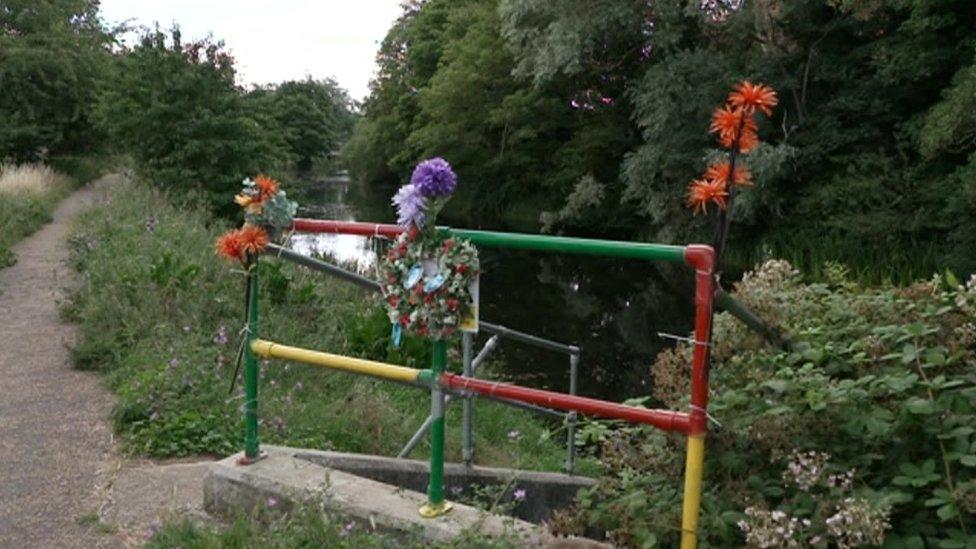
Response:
column 613, row 309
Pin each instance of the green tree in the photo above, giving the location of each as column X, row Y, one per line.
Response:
column 175, row 108
column 52, row 56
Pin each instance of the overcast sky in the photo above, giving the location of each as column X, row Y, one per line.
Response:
column 278, row 40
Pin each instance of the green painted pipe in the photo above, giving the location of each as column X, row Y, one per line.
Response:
column 584, row 246
column 251, row 444
column 435, row 491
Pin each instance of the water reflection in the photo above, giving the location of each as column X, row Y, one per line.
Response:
column 612, row 308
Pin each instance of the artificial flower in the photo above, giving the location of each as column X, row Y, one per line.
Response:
column 701, row 192
column 253, row 239
column 410, row 204
column 729, row 123
column 720, row 172
column 243, row 200
column 229, row 246
column 266, row 188
column 434, row 178
column 749, row 97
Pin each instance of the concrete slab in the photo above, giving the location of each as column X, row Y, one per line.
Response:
column 288, row 476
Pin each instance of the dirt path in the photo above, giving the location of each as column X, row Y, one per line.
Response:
column 58, row 459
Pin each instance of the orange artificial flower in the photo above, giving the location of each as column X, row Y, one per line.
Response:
column 720, row 172
column 253, row 239
column 229, row 246
column 748, row 142
column 267, row 188
column 701, row 192
column 749, row 97
column 729, row 122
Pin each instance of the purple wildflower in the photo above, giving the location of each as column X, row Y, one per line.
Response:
column 347, row 529
column 410, row 205
column 434, row 178
column 519, row 494
column 272, row 503
column 221, row 337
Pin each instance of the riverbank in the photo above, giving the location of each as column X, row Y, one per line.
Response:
column 160, row 315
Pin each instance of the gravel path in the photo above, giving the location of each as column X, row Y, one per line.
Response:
column 55, row 438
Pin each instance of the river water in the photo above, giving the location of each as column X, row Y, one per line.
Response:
column 612, row 308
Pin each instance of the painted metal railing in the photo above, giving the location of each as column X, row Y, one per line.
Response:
column 693, row 423
column 469, row 364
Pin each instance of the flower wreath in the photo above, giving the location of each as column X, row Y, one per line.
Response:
column 426, row 275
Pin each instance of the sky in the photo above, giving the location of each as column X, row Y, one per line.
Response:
column 273, row 41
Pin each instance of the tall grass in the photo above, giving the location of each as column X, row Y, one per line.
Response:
column 161, row 315
column 29, row 194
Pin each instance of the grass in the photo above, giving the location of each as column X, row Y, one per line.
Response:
column 160, row 315
column 29, row 193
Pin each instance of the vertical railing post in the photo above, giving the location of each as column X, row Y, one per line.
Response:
column 436, row 504
column 252, row 449
column 467, row 441
column 571, row 418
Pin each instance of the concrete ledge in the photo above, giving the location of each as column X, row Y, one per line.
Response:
column 545, row 492
column 291, row 476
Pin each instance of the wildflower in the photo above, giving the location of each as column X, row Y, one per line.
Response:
column 519, row 494
column 410, row 205
column 221, row 337
column 750, row 97
column 151, row 224
column 514, row 434
column 434, row 178
column 720, row 172
column 174, row 362
column 272, row 503
column 806, row 468
column 347, row 529
column 701, row 192
column 253, row 239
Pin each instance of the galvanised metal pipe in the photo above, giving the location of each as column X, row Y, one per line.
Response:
column 729, row 304
column 369, row 284
column 571, row 418
column 663, row 419
column 252, row 448
column 268, row 349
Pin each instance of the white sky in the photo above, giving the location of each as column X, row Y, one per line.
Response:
column 273, row 41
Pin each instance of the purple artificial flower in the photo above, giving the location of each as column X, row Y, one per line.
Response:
column 410, row 206
column 434, row 178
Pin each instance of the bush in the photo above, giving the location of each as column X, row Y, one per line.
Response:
column 863, row 431
column 175, row 108
column 160, row 314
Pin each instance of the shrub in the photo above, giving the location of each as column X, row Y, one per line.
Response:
column 862, row 431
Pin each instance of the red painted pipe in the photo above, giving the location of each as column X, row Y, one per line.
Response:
column 662, row 419
column 702, row 258
column 346, row 227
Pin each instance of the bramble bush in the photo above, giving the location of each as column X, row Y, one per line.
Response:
column 861, row 432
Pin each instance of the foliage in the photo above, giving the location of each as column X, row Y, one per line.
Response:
column 312, row 116
column 865, row 428
column 175, row 108
column 28, row 196
column 160, row 315
column 53, row 54
column 588, row 111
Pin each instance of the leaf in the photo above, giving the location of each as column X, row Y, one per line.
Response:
column 948, row 512
column 908, row 353
column 920, row 406
column 968, row 460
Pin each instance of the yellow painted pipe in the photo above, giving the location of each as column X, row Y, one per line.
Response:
column 268, row 349
column 694, row 463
